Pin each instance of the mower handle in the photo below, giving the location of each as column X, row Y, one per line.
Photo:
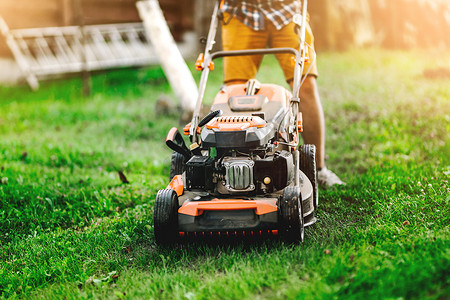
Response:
column 219, row 54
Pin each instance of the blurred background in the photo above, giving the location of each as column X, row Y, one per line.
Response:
column 337, row 24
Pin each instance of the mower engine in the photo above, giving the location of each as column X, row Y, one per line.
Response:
column 235, row 172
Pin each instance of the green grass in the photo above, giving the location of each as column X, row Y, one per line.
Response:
column 71, row 229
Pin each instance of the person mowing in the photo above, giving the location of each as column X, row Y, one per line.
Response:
column 252, row 24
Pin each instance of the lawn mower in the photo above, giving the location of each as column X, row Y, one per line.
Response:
column 244, row 173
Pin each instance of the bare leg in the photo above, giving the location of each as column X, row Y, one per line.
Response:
column 313, row 118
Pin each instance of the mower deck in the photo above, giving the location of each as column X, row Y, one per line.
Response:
column 202, row 213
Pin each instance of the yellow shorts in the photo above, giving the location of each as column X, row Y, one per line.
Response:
column 238, row 36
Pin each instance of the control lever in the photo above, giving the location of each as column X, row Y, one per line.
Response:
column 175, row 142
column 209, row 117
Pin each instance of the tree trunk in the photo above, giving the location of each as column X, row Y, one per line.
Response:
column 172, row 62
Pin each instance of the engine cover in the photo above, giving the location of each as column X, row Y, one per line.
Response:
column 237, row 132
column 238, row 174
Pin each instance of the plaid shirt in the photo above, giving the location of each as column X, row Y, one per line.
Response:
column 253, row 13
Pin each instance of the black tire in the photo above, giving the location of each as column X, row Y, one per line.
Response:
column 165, row 217
column 177, row 164
column 292, row 215
column 307, row 165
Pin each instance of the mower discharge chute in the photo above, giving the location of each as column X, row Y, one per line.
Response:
column 244, row 173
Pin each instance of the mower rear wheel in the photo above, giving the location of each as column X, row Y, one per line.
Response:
column 308, row 166
column 292, row 214
column 165, row 217
column 177, row 164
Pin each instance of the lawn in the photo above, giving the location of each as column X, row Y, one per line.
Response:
column 69, row 227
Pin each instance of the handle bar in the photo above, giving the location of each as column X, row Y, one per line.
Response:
column 219, row 54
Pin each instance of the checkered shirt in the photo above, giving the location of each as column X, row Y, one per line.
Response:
column 253, row 13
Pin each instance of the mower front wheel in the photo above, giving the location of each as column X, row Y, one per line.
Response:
column 165, row 217
column 292, row 214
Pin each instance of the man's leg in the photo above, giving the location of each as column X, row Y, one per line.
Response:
column 313, row 118
column 310, row 104
column 237, row 36
column 314, row 129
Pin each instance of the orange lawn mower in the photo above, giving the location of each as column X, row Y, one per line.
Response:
column 245, row 173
